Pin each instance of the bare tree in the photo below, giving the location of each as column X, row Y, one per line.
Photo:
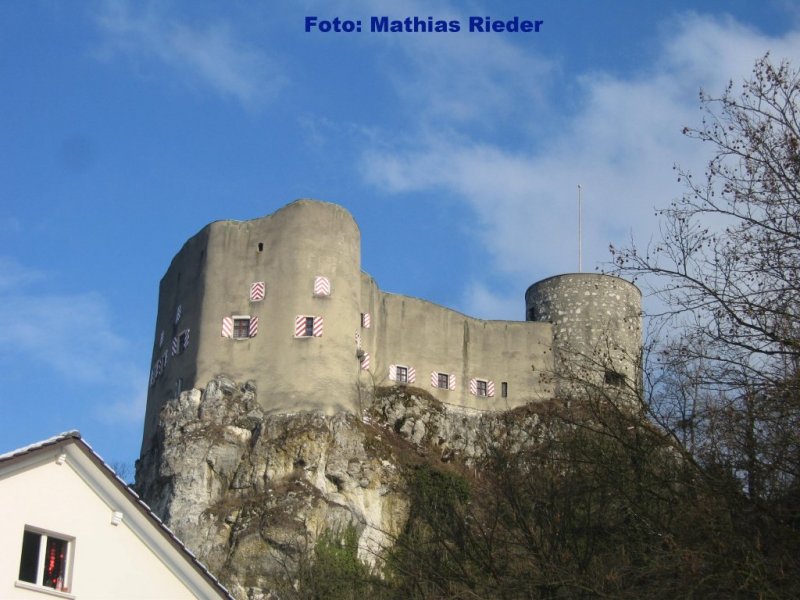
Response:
column 727, row 269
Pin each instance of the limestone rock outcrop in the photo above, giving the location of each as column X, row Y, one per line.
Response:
column 250, row 493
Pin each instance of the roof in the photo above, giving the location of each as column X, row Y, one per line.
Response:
column 74, row 437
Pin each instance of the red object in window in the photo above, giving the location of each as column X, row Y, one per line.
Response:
column 55, row 553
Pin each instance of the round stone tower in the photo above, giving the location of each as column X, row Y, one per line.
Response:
column 597, row 329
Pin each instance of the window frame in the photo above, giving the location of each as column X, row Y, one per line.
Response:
column 403, row 379
column 443, row 380
column 482, row 388
column 183, row 341
column 237, row 321
column 43, row 536
column 309, row 327
column 614, row 378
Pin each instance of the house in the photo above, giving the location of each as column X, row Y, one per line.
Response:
column 72, row 529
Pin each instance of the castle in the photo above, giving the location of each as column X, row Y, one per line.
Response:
column 282, row 301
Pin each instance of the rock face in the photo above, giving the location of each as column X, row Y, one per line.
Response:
column 250, row 493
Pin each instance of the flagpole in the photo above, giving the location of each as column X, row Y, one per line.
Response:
column 580, row 231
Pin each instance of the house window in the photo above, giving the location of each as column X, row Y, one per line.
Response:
column 309, row 327
column 44, row 560
column 241, row 327
column 443, row 381
column 401, row 374
column 480, row 388
column 504, row 389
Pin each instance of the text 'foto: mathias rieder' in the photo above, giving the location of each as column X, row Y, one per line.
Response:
column 423, row 25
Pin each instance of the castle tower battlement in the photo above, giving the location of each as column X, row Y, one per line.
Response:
column 282, row 301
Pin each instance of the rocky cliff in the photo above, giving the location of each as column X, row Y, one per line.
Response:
column 251, row 493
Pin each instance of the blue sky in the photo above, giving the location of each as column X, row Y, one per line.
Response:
column 127, row 126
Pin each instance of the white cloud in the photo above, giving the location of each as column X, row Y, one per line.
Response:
column 212, row 55
column 489, row 304
column 620, row 146
column 69, row 338
column 13, row 274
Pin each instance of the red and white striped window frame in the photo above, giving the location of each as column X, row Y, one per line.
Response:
column 443, row 381
column 240, row 327
column 308, row 326
column 402, row 374
column 481, row 387
column 180, row 342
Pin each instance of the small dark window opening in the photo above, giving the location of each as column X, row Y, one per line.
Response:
column 309, row 327
column 178, row 386
column 241, row 328
column 614, row 378
column 183, row 341
column 481, row 388
column 29, row 562
column 531, row 314
column 504, row 389
column 260, row 246
column 444, row 381
column 402, row 375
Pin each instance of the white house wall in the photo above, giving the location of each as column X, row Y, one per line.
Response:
column 109, row 561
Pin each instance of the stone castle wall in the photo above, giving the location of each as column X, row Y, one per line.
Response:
column 361, row 336
column 597, row 327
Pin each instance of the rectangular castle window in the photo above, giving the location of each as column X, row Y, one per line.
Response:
column 183, row 341
column 241, row 327
column 480, row 387
column 308, row 326
column 401, row 374
column 504, row 389
column 443, row 381
column 614, row 379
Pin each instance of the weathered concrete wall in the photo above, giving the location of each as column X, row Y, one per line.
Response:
column 597, row 326
column 210, row 279
column 432, row 338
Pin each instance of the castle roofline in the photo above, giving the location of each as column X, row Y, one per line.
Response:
column 452, row 310
column 586, row 276
column 293, row 205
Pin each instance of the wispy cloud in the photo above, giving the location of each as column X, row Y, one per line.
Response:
column 620, row 146
column 13, row 274
column 458, row 79
column 212, row 54
column 71, row 337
